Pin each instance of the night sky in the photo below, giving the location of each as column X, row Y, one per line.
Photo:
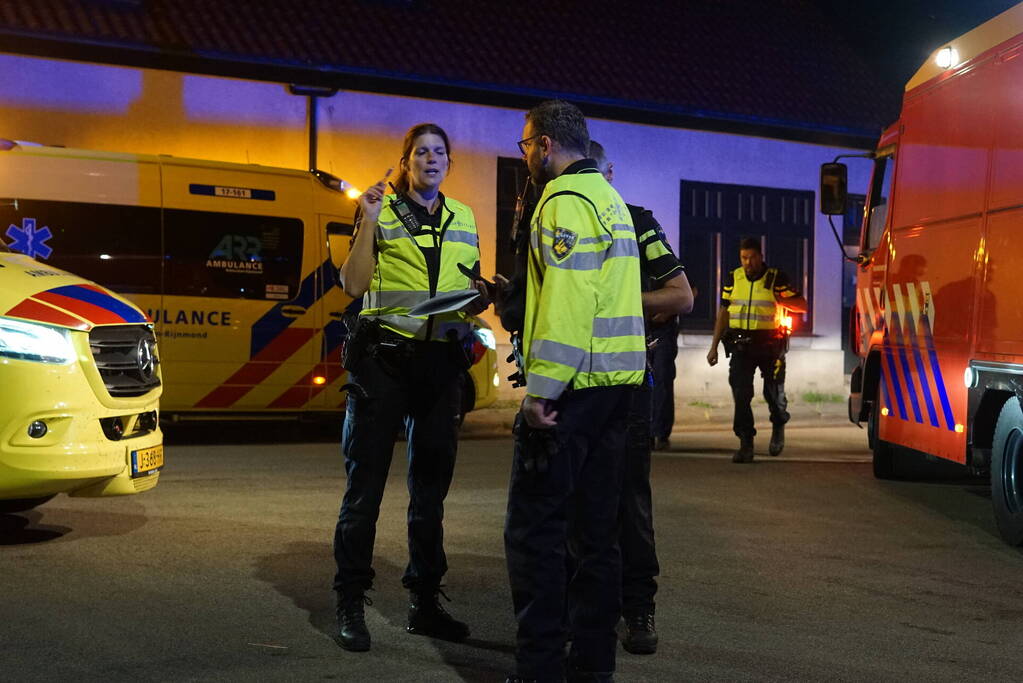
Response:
column 896, row 36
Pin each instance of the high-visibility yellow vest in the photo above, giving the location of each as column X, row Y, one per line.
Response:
column 584, row 315
column 400, row 278
column 751, row 304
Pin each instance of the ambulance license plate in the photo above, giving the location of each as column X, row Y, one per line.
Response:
column 146, row 461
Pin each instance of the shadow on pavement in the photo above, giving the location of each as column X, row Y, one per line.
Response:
column 231, row 432
column 24, row 529
column 304, row 572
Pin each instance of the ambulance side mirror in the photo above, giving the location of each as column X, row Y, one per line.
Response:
column 834, row 189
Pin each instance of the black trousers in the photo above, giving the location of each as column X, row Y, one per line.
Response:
column 422, row 393
column 662, row 364
column 741, row 368
column 570, row 502
column 635, row 512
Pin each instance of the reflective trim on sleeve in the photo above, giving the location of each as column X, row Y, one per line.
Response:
column 617, row 361
column 623, row 248
column 580, row 260
column 623, row 227
column 556, row 352
column 544, row 387
column 618, row 327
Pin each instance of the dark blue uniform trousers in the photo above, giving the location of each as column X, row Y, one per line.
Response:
column 662, row 364
column 574, row 499
column 636, row 516
column 422, row 392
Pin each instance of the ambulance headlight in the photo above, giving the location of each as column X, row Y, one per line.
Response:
column 40, row 343
column 487, row 338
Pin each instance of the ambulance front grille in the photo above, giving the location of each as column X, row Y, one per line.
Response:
column 125, row 356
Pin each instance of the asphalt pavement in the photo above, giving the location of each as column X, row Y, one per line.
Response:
column 801, row 567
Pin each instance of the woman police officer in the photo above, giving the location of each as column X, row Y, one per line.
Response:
column 406, row 370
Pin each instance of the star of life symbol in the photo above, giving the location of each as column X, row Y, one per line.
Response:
column 28, row 240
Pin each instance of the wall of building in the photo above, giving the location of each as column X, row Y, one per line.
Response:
column 138, row 110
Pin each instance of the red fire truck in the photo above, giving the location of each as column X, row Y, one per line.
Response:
column 938, row 322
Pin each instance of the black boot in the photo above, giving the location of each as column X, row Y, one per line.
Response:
column 640, row 634
column 745, row 452
column 427, row 617
column 777, row 440
column 352, row 633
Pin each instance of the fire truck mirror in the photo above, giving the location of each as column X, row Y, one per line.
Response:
column 833, row 189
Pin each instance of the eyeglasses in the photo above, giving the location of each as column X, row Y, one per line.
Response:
column 522, row 147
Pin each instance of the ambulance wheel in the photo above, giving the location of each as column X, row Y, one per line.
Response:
column 21, row 504
column 883, row 452
column 1007, row 472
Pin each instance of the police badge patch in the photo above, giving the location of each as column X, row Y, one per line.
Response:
column 564, row 241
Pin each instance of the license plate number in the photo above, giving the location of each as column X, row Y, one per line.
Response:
column 146, row 461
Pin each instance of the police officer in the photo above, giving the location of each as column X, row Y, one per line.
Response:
column 584, row 353
column 752, row 301
column 666, row 294
column 404, row 371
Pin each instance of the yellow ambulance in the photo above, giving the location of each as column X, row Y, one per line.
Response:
column 234, row 264
column 79, row 387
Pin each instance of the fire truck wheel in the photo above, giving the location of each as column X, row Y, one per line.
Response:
column 21, row 504
column 883, row 452
column 1007, row 472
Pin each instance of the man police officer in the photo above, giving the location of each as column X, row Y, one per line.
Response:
column 665, row 295
column 584, row 354
column 752, row 301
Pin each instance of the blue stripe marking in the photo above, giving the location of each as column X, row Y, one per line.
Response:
column 106, row 301
column 273, row 322
column 906, row 372
column 922, row 373
column 946, row 407
column 893, row 374
column 887, row 394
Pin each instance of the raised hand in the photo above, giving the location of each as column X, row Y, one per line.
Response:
column 372, row 200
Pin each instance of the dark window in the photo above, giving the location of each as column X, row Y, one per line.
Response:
column 715, row 217
column 232, row 255
column 512, row 175
column 116, row 246
column 852, row 222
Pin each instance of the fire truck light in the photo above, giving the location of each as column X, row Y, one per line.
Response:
column 319, row 379
column 947, row 57
column 970, row 377
column 959, row 429
column 353, row 193
column 884, row 411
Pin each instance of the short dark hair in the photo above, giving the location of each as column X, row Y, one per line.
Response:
column 598, row 154
column 562, row 122
column 751, row 243
column 401, row 182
